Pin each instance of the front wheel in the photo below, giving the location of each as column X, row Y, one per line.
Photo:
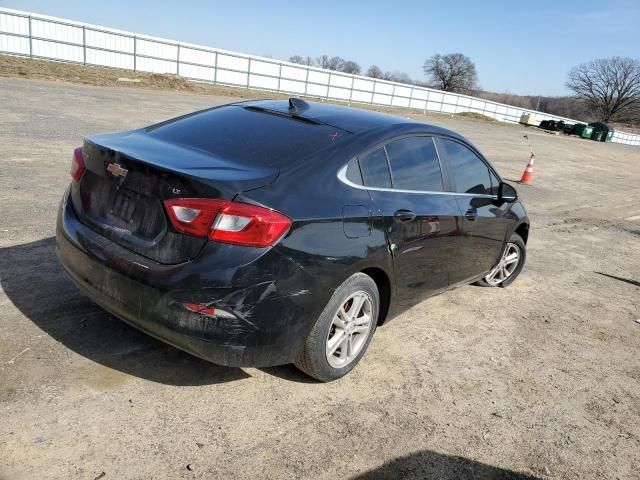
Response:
column 509, row 266
column 343, row 331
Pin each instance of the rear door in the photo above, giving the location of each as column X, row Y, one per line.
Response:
column 406, row 183
column 484, row 224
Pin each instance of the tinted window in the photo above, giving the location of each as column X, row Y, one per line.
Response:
column 353, row 172
column 470, row 173
column 414, row 164
column 236, row 134
column 375, row 171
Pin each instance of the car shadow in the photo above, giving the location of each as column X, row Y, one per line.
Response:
column 289, row 373
column 34, row 281
column 429, row 465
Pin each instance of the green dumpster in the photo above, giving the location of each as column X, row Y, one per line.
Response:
column 601, row 132
column 583, row 130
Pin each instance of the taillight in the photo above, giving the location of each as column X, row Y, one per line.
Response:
column 77, row 165
column 193, row 216
column 226, row 221
column 245, row 224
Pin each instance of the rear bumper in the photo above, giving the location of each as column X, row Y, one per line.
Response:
column 269, row 296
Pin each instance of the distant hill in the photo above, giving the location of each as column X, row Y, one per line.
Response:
column 568, row 107
column 562, row 106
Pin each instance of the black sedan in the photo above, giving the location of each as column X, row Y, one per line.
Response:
column 271, row 232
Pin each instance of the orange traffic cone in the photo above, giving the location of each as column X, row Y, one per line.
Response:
column 527, row 175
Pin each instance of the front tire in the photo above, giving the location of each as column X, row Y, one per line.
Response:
column 343, row 331
column 509, row 266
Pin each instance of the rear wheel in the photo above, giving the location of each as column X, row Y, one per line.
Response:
column 342, row 333
column 509, row 266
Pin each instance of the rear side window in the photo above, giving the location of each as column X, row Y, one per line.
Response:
column 470, row 173
column 353, row 172
column 375, row 170
column 414, row 164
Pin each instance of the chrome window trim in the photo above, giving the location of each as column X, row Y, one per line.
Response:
column 342, row 176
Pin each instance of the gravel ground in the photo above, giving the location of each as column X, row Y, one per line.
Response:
column 540, row 380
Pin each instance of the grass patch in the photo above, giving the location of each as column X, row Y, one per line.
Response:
column 474, row 116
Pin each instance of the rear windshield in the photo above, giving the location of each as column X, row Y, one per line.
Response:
column 235, row 133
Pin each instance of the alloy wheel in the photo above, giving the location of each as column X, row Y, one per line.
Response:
column 507, row 265
column 350, row 329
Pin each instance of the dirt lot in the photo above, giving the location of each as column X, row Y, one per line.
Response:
column 540, row 380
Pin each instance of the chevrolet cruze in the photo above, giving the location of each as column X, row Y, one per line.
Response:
column 272, row 232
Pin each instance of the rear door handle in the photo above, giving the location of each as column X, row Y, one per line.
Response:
column 404, row 215
column 471, row 214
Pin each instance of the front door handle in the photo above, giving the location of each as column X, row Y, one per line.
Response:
column 404, row 215
column 471, row 214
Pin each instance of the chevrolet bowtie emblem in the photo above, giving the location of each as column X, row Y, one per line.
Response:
column 116, row 170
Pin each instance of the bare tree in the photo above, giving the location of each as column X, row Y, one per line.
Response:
column 453, row 72
column 329, row 63
column 323, row 61
column 301, row 60
column 335, row 63
column 375, row 71
column 401, row 77
column 396, row 76
column 610, row 87
column 349, row 66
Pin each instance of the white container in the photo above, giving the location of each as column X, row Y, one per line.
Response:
column 529, row 119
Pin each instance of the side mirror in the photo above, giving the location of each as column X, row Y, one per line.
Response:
column 506, row 193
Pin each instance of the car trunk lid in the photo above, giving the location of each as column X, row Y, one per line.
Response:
column 129, row 175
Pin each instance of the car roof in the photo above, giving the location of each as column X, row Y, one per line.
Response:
column 350, row 119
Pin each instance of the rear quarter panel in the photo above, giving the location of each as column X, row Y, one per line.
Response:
column 321, row 207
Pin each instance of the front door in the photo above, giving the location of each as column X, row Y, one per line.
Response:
column 484, row 224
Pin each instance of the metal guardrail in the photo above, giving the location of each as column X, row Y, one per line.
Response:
column 40, row 36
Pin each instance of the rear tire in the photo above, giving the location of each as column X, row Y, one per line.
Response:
column 504, row 273
column 343, row 331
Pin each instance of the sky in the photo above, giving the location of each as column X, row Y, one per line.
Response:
column 518, row 47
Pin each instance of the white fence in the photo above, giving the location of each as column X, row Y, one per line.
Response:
column 40, row 36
